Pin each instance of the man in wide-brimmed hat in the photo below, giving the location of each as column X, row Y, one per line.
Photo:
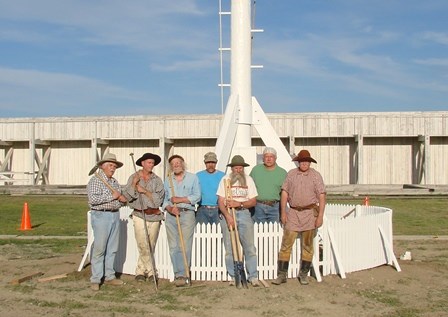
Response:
column 182, row 193
column 145, row 193
column 268, row 178
column 105, row 200
column 208, row 211
column 305, row 192
column 243, row 195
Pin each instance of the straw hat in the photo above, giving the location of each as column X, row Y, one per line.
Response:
column 109, row 157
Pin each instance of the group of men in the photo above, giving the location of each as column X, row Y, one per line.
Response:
column 268, row 194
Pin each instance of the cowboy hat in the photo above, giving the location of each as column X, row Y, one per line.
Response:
column 237, row 160
column 148, row 156
column 109, row 157
column 304, row 156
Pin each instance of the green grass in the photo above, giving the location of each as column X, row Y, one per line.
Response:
column 27, row 249
column 411, row 215
column 50, row 215
column 66, row 215
column 385, row 297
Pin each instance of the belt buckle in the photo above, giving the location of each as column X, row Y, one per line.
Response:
column 268, row 202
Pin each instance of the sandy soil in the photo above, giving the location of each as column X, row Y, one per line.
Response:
column 421, row 289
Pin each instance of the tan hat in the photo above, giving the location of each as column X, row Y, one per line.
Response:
column 210, row 157
column 237, row 160
column 304, row 156
column 109, row 157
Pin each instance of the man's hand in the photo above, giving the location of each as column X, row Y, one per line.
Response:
column 283, row 217
column 173, row 210
column 319, row 221
column 135, row 179
column 140, row 189
column 230, row 222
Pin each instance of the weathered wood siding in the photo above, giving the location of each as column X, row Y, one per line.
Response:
column 364, row 148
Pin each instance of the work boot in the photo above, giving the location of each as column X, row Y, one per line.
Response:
column 95, row 287
column 282, row 272
column 303, row 274
column 114, row 282
column 150, row 278
column 180, row 281
column 254, row 282
column 140, row 278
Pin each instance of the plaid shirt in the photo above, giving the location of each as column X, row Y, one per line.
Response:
column 100, row 196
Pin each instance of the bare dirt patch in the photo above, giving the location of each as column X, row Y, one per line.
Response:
column 421, row 289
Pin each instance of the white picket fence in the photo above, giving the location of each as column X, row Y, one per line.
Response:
column 352, row 238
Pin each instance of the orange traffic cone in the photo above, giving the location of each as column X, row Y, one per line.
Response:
column 26, row 219
column 366, row 201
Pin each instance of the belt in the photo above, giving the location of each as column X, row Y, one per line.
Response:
column 210, row 207
column 298, row 208
column 268, row 202
column 106, row 210
column 184, row 209
column 150, row 211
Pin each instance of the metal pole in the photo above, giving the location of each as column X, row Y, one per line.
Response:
column 240, row 68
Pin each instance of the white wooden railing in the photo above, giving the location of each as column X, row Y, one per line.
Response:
column 352, row 238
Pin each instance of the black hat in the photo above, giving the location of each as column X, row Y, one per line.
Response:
column 148, row 156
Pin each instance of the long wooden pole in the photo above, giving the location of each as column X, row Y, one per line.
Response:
column 181, row 236
column 105, row 183
column 236, row 245
column 148, row 241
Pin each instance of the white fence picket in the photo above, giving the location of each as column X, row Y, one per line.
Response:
column 356, row 237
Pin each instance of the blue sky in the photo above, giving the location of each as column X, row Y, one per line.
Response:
column 149, row 57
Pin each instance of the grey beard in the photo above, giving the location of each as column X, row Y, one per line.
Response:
column 240, row 178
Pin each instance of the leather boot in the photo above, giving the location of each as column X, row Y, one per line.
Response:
column 303, row 274
column 282, row 272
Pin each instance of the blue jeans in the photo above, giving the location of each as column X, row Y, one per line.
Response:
column 106, row 235
column 266, row 213
column 246, row 234
column 207, row 214
column 187, row 223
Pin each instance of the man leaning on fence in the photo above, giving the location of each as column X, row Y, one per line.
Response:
column 145, row 193
column 268, row 178
column 105, row 200
column 182, row 193
column 208, row 211
column 243, row 197
column 304, row 190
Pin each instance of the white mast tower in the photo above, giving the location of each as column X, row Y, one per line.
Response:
column 243, row 110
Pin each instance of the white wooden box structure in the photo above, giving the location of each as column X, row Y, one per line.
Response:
column 353, row 238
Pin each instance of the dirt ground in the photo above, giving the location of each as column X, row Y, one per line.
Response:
column 420, row 289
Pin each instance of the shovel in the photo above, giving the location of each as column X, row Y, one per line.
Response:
column 240, row 273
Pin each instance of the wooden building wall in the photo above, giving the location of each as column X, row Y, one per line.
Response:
column 351, row 148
